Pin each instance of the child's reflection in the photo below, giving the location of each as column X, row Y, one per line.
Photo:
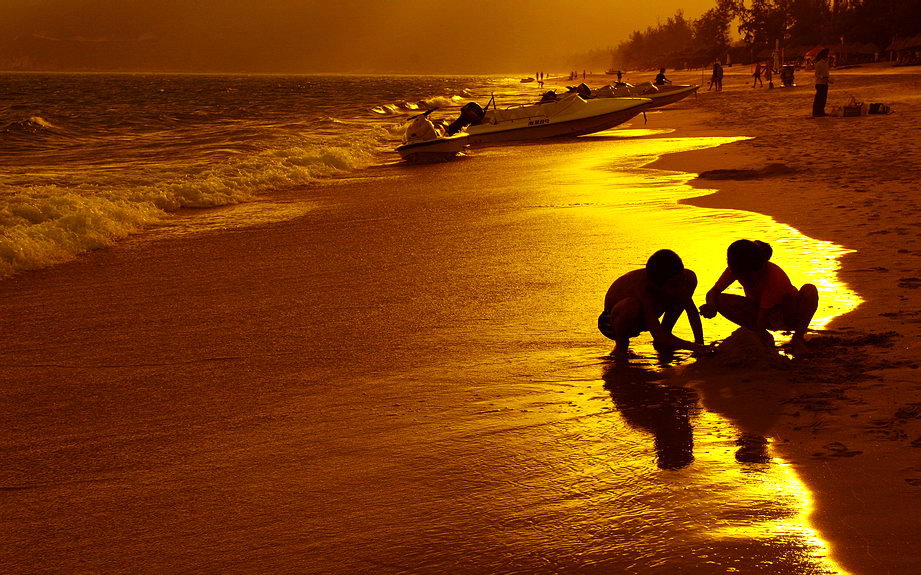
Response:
column 651, row 405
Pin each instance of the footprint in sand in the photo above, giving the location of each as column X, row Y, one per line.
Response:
column 838, row 449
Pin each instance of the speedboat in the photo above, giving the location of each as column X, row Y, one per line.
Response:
column 660, row 95
column 423, row 141
column 567, row 115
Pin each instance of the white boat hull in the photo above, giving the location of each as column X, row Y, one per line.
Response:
column 547, row 120
column 660, row 95
column 437, row 150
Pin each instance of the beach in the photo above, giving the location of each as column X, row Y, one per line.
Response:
column 853, row 424
column 398, row 371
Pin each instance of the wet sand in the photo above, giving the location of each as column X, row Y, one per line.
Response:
column 850, row 419
column 257, row 397
column 403, row 374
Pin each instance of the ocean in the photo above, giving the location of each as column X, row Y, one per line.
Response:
column 340, row 363
column 86, row 160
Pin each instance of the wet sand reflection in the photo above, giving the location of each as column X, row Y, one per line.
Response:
column 650, row 404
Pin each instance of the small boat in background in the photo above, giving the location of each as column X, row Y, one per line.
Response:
column 526, row 80
column 423, row 141
column 660, row 95
column 567, row 115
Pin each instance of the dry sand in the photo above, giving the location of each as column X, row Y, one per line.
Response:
column 849, row 417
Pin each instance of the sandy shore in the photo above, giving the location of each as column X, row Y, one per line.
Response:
column 191, row 404
column 850, row 417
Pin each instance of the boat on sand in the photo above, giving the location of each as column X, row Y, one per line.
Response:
column 660, row 95
column 567, row 115
column 423, row 141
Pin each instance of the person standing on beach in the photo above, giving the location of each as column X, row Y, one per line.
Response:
column 821, row 84
column 771, row 302
column 716, row 78
column 636, row 300
column 661, row 80
column 757, row 75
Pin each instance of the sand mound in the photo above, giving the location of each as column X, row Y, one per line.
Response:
column 746, row 349
column 774, row 169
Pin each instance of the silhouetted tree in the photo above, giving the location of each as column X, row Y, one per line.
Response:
column 793, row 22
column 711, row 33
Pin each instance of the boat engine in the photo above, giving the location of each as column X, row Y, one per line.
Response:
column 420, row 130
column 471, row 113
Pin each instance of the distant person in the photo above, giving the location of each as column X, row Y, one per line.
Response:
column 636, row 300
column 620, row 76
column 769, row 75
column 821, row 84
column 771, row 302
column 661, row 80
column 757, row 76
column 715, row 77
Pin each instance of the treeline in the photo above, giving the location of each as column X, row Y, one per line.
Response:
column 797, row 24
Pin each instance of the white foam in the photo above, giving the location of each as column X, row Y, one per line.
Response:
column 49, row 224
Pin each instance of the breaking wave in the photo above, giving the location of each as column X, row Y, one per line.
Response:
column 43, row 225
column 402, row 107
column 32, row 125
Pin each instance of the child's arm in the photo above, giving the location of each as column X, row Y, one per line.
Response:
column 694, row 320
column 664, row 338
column 708, row 310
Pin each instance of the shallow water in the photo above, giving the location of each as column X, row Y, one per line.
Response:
column 399, row 373
column 89, row 159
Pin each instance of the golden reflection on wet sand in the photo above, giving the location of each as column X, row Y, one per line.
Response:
column 553, row 433
column 804, row 259
column 655, row 193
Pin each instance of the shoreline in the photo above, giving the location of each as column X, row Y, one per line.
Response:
column 852, row 429
column 241, row 354
column 377, row 345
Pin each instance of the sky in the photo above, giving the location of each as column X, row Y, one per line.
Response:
column 307, row 36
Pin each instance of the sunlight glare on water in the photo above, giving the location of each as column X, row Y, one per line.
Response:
column 399, row 372
column 680, row 457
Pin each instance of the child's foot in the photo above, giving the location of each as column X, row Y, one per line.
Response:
column 766, row 339
column 798, row 346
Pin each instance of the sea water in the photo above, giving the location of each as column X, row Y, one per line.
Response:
column 86, row 160
column 420, row 390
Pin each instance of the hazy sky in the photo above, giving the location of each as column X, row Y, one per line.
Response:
column 423, row 36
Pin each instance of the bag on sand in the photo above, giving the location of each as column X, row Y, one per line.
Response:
column 854, row 108
column 878, row 109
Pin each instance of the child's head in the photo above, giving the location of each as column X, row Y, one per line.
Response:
column 662, row 266
column 748, row 257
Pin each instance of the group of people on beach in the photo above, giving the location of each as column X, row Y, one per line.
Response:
column 653, row 298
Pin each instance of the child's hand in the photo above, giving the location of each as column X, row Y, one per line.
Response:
column 708, row 311
column 705, row 350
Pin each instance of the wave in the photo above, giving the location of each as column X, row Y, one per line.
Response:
column 402, row 106
column 32, row 125
column 44, row 225
column 443, row 102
